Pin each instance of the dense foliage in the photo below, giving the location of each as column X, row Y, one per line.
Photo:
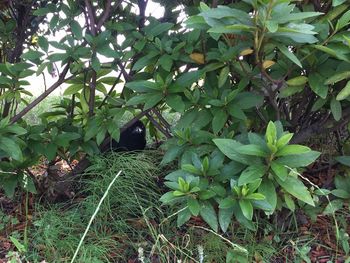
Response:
column 237, row 75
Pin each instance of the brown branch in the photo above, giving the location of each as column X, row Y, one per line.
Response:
column 92, row 86
column 43, row 95
column 105, row 14
column 91, row 15
column 158, row 126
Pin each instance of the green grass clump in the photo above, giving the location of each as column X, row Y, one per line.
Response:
column 119, row 228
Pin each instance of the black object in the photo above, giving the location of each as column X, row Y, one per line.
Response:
column 131, row 139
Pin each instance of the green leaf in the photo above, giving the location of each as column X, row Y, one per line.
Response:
column 284, row 140
column 271, row 133
column 247, row 208
column 268, row 190
column 252, row 149
column 255, row 196
column 166, row 62
column 317, row 85
column 300, row 160
column 73, row 89
column 345, row 160
column 290, row 55
column 219, row 120
column 297, row 81
column 337, row 2
column 32, row 55
column 289, row 202
column 280, row 170
column 43, row 43
column 331, row 52
column 158, row 29
column 292, row 149
column 143, row 86
column 223, row 76
column 344, row 93
column 228, row 202
column 333, row 206
column 229, row 148
column 338, row 77
column 76, row 29
column 343, row 20
column 175, row 102
column 188, row 78
column 41, row 11
column 95, row 63
column 183, row 217
column 9, row 184
column 225, row 218
column 296, row 188
column 336, row 109
column 209, row 216
column 272, row 26
column 193, row 206
column 10, row 146
column 341, row 193
column 251, row 173
column 50, row 151
column 152, row 99
column 145, row 61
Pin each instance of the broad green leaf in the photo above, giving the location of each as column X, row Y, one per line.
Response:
column 229, row 148
column 284, row 140
column 228, row 202
column 76, row 29
column 175, row 102
column 317, row 85
column 272, row 26
column 158, row 29
column 336, row 109
column 32, row 55
column 252, row 149
column 183, row 217
column 297, row 81
column 297, row 189
column 290, row 55
column 341, row 193
column 219, row 120
column 225, row 218
column 188, row 78
column 268, row 190
column 344, row 93
column 145, row 61
column 43, row 43
column 209, row 216
column 247, row 208
column 41, row 11
column 193, row 206
column 271, row 133
column 10, row 146
column 143, row 86
column 337, row 2
column 345, row 160
column 280, row 170
column 343, row 20
column 338, row 77
column 333, row 206
column 251, row 173
column 9, row 184
column 224, row 73
column 300, row 160
column 73, row 89
column 152, row 99
column 331, row 52
column 292, row 149
column 289, row 202
column 255, row 196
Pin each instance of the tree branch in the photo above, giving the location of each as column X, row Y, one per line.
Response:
column 42, row 96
